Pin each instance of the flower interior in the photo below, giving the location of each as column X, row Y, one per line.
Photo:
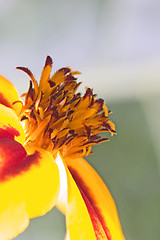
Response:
column 58, row 118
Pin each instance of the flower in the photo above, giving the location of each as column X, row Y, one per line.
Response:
column 43, row 140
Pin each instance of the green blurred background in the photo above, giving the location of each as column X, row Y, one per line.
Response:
column 115, row 44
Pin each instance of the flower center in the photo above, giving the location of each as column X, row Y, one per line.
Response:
column 57, row 118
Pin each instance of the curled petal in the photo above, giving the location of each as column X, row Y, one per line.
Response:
column 78, row 222
column 98, row 199
column 8, row 94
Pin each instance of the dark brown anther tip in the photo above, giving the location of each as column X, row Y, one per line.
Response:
column 88, row 93
column 65, row 70
column 69, row 78
column 88, row 131
column 48, row 62
column 52, row 84
column 24, row 118
column 100, row 101
column 26, row 70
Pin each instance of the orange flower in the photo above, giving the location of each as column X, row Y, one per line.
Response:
column 43, row 140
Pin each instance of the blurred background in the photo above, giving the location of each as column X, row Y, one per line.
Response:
column 115, row 44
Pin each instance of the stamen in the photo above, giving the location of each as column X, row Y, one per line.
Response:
column 43, row 84
column 57, row 118
column 30, row 74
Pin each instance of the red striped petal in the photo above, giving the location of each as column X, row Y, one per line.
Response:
column 98, row 200
column 100, row 228
column 14, row 158
column 97, row 225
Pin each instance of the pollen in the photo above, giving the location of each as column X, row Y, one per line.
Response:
column 58, row 118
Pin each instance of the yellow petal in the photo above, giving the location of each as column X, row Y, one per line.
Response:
column 44, row 179
column 8, row 94
column 13, row 221
column 98, row 195
column 10, row 122
column 78, row 222
column 35, row 188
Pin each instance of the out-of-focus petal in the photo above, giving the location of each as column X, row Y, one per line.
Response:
column 36, row 185
column 63, row 192
column 96, row 192
column 78, row 222
column 10, row 126
column 13, row 221
column 8, row 94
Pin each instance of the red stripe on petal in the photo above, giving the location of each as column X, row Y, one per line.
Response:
column 9, row 132
column 4, row 101
column 98, row 229
column 14, row 159
column 99, row 225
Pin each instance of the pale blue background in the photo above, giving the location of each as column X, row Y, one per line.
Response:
column 115, row 44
